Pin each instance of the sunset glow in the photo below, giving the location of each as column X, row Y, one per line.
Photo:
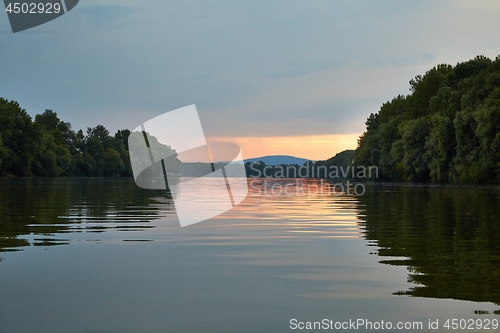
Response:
column 314, row 147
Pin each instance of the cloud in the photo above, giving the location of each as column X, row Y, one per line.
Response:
column 330, row 102
column 107, row 16
column 253, row 68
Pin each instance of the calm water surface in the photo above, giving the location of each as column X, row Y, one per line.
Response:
column 101, row 255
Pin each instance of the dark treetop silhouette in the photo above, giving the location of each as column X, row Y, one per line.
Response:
column 446, row 130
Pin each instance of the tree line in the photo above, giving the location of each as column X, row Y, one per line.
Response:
column 446, row 130
column 48, row 147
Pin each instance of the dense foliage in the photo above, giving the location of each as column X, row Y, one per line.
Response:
column 446, row 130
column 341, row 160
column 47, row 146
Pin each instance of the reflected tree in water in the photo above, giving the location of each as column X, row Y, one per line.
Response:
column 448, row 237
column 43, row 207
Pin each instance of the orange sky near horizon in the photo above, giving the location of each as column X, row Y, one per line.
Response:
column 314, row 147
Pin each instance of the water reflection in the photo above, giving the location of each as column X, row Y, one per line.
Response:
column 40, row 212
column 448, row 237
column 299, row 208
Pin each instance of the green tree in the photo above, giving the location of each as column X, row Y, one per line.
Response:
column 440, row 148
column 19, row 139
column 414, row 134
column 446, row 129
column 3, row 151
column 425, row 87
column 53, row 156
column 487, row 118
column 121, row 145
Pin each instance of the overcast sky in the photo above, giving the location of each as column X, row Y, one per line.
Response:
column 269, row 70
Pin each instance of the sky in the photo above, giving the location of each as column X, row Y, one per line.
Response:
column 276, row 77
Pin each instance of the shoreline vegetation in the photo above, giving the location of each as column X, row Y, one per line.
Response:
column 447, row 130
column 48, row 147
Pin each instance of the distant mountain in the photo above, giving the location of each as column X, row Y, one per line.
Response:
column 278, row 159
